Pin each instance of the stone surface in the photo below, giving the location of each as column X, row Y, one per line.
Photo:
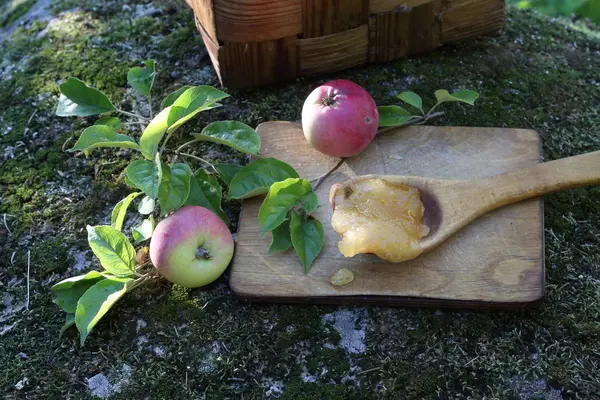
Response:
column 164, row 341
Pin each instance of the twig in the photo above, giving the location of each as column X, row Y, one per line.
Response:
column 185, row 145
column 135, row 123
column 368, row 370
column 29, row 121
column 324, row 176
column 133, row 115
column 6, row 225
column 164, row 145
column 12, row 258
column 150, row 105
column 198, row 158
column 65, row 143
column 413, row 121
column 28, row 268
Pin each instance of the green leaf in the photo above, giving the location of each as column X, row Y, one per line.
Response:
column 282, row 197
column 102, row 136
column 191, row 102
column 113, row 123
column 78, row 99
column 69, row 322
column 96, row 302
column 170, row 99
column 129, row 183
column 310, row 202
column 256, row 177
column 227, row 171
column 120, row 210
column 144, row 230
column 68, row 291
column 205, row 191
column 412, row 98
column 234, row 134
column 142, row 78
column 146, row 206
column 174, row 187
column 113, row 249
column 280, row 238
column 392, row 115
column 153, row 134
column 307, row 238
column 464, row 96
column 144, row 175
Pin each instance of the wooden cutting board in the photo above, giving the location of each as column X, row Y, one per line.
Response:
column 497, row 261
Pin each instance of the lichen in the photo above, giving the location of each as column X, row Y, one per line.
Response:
column 538, row 73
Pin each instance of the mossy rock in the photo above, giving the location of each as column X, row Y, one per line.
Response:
column 537, row 73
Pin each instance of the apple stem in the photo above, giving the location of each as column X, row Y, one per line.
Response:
column 329, row 100
column 202, row 253
column 324, row 176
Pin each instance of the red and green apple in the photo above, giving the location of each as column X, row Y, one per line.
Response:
column 191, row 247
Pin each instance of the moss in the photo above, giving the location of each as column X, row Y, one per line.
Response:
column 13, row 10
column 215, row 346
column 310, row 391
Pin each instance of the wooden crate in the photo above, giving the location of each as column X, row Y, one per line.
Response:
column 258, row 42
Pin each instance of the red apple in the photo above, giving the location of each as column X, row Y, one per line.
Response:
column 191, row 247
column 340, row 118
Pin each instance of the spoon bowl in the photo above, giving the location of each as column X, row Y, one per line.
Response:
column 450, row 205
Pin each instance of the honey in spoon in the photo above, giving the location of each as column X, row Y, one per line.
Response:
column 375, row 216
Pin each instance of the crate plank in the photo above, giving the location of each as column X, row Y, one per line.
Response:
column 263, row 62
column 395, row 34
column 334, row 52
column 243, row 21
column 324, row 17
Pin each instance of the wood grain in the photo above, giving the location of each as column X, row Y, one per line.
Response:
column 333, row 52
column 324, row 17
column 204, row 12
column 262, row 62
column 332, row 35
column 212, row 47
column 244, row 21
column 412, row 30
column 495, row 261
column 468, row 18
column 384, row 6
column 453, row 204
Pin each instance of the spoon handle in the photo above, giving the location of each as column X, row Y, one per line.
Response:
column 540, row 179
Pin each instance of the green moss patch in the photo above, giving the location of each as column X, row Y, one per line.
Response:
column 538, row 73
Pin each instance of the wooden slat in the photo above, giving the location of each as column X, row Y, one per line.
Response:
column 497, row 260
column 203, row 9
column 244, row 21
column 258, row 63
column 382, row 6
column 334, row 52
column 212, row 47
column 468, row 18
column 324, row 17
column 396, row 34
column 390, row 36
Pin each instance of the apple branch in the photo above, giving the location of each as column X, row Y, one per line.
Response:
column 198, row 159
column 320, row 179
column 133, row 115
column 415, row 120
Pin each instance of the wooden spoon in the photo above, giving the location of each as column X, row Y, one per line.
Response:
column 452, row 204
